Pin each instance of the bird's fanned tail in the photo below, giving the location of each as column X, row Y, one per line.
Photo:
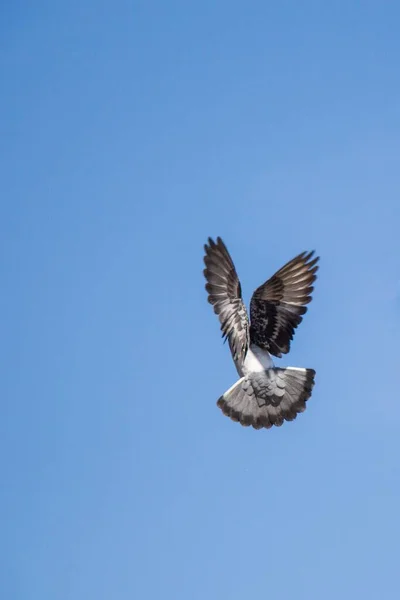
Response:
column 269, row 397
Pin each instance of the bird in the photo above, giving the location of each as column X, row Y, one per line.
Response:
column 265, row 395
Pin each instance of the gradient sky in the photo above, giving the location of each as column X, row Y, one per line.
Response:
column 130, row 132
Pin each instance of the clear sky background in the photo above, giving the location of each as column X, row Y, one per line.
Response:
column 130, row 132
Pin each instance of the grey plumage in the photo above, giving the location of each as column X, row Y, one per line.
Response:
column 265, row 395
column 269, row 397
column 225, row 294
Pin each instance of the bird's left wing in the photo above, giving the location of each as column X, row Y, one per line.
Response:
column 225, row 294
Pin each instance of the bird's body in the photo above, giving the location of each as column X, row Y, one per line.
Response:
column 265, row 395
column 256, row 360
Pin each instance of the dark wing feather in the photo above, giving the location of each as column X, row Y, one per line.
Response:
column 225, row 294
column 277, row 306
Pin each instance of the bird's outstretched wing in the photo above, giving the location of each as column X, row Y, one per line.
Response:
column 225, row 294
column 277, row 306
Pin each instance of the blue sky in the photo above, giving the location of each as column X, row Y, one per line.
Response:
column 131, row 131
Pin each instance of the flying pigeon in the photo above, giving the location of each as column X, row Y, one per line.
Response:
column 265, row 395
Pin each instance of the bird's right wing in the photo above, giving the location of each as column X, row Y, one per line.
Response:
column 225, row 294
column 277, row 307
